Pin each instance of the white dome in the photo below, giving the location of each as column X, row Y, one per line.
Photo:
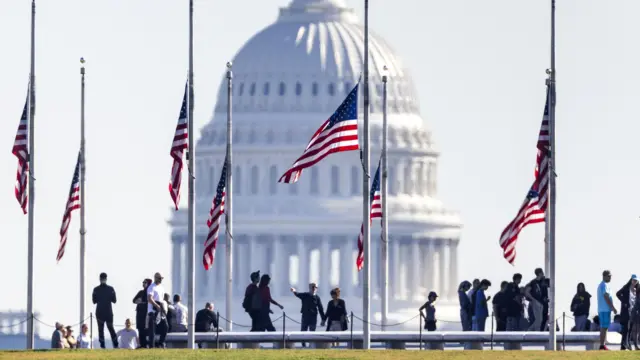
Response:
column 309, row 59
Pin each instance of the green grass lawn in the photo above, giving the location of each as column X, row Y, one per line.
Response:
column 316, row 354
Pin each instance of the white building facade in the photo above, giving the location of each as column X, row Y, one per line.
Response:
column 288, row 79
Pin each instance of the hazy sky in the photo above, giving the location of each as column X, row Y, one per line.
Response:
column 479, row 67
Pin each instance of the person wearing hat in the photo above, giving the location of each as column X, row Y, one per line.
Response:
column 155, row 312
column 103, row 296
column 311, row 307
column 430, row 309
column 627, row 297
column 71, row 340
column 251, row 303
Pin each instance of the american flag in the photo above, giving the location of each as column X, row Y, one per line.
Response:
column 375, row 212
column 73, row 202
column 339, row 133
column 21, row 151
column 534, row 206
column 180, row 145
column 217, row 209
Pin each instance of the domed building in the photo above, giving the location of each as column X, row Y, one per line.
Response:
column 287, row 80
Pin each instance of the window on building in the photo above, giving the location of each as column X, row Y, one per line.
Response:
column 270, row 136
column 391, row 180
column 331, row 89
column 335, row 180
column 241, row 89
column 265, row 89
column 298, row 89
column 314, row 89
column 281, row 89
column 420, row 185
column 252, row 89
column 314, row 188
column 356, row 179
column 254, row 179
column 237, row 180
column 273, row 180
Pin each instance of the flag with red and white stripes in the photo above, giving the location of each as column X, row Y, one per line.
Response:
column 73, row 203
column 213, row 223
column 375, row 212
column 534, row 206
column 339, row 133
column 21, row 151
column 180, row 145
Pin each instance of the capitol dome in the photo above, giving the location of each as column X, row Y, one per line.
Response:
column 287, row 80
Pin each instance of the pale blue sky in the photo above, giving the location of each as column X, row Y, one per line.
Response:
column 479, row 67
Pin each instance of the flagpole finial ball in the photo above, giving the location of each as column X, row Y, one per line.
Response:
column 229, row 65
column 548, row 71
column 82, row 60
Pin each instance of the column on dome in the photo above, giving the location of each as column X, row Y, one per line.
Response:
column 278, row 256
column 176, row 264
column 453, row 268
column 324, row 271
column 375, row 265
column 347, row 266
column 201, row 281
column 220, row 267
column 415, row 275
column 430, row 275
column 442, row 262
column 394, row 268
column 249, row 265
column 303, row 263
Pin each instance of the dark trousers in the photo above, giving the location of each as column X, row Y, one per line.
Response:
column 501, row 323
column 153, row 329
column 308, row 323
column 112, row 332
column 255, row 320
column 142, row 334
column 430, row 325
column 265, row 323
column 625, row 332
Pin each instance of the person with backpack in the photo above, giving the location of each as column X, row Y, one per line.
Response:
column 253, row 309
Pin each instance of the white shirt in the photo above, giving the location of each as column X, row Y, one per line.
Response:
column 181, row 313
column 632, row 300
column 84, row 341
column 157, row 294
column 128, row 338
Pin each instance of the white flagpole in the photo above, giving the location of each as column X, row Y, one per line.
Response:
column 32, row 193
column 228, row 203
column 83, row 230
column 366, row 291
column 385, row 217
column 191, row 210
column 551, row 213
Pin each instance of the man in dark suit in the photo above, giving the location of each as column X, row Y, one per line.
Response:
column 103, row 296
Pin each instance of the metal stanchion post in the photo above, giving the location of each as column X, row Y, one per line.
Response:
column 564, row 327
column 420, row 330
column 284, row 323
column 352, row 330
column 492, row 318
column 91, row 328
column 218, row 330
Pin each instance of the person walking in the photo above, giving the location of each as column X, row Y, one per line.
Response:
column 311, row 307
column 103, row 296
column 251, row 303
column 155, row 312
column 264, row 292
column 141, row 312
column 605, row 307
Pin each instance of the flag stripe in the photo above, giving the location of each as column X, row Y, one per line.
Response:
column 178, row 148
column 73, row 203
column 213, row 222
column 21, row 151
column 534, row 207
column 374, row 212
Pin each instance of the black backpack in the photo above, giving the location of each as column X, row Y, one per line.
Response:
column 256, row 300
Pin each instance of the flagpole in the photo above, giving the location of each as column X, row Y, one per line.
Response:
column 366, row 291
column 228, row 212
column 83, row 230
column 551, row 214
column 32, row 112
column 191, row 207
column 385, row 218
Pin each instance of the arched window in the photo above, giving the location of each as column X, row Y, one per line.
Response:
column 254, row 179
column 298, row 89
column 335, row 180
column 237, row 180
column 314, row 89
column 252, row 89
column 356, row 179
column 265, row 90
column 331, row 89
column 281, row 89
column 391, row 180
column 314, row 188
column 273, row 179
column 241, row 89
